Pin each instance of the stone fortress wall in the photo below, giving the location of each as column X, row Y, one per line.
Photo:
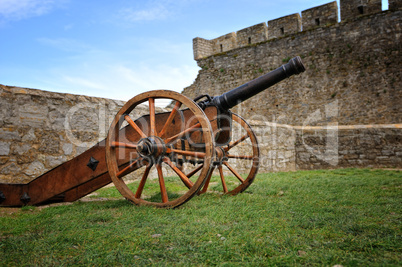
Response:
column 39, row 130
column 344, row 111
column 356, row 62
column 309, row 19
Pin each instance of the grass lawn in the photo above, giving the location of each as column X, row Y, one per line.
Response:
column 347, row 216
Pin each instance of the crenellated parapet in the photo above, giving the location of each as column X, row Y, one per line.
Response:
column 354, row 8
column 252, row 35
column 319, row 16
column 248, row 36
column 284, row 26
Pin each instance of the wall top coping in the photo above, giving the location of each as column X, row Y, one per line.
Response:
column 55, row 95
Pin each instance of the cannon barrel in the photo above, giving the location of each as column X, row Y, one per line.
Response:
column 250, row 89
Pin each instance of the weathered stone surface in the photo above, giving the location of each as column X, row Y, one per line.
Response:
column 37, row 129
column 53, row 161
column 22, row 149
column 377, row 150
column 34, row 169
column 10, row 134
column 352, row 74
column 3, row 160
column 353, row 8
column 10, row 169
column 4, row 148
column 67, row 148
column 30, row 136
column 323, row 15
column 284, row 26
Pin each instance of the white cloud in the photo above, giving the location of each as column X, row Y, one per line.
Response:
column 81, row 82
column 158, row 12
column 23, row 9
column 153, row 10
column 122, row 82
column 65, row 44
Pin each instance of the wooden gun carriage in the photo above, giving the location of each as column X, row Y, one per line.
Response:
column 162, row 159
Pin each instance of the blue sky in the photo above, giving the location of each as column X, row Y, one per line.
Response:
column 118, row 49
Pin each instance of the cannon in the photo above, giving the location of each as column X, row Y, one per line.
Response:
column 162, row 159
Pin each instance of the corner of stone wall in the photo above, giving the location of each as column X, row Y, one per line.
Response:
column 201, row 48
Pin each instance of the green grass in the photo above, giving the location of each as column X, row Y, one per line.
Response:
column 347, row 216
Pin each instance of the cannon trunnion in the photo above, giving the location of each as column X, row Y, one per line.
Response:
column 162, row 159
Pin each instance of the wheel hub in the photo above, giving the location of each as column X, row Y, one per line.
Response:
column 152, row 146
column 220, row 156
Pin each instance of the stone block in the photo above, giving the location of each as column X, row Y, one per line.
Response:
column 67, row 148
column 304, row 156
column 289, row 154
column 49, row 143
column 33, row 115
column 10, row 169
column 29, row 136
column 35, row 169
column 4, row 149
column 9, row 133
column 21, row 149
column 53, row 161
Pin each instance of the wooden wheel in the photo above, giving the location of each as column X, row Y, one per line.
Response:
column 236, row 164
column 143, row 151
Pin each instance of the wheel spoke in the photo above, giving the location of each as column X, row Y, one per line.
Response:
column 240, row 157
column 235, row 143
column 199, row 155
column 182, row 176
column 234, row 172
column 135, row 126
column 128, row 169
column 170, row 118
column 162, row 183
column 121, row 144
column 194, row 171
column 225, row 188
column 140, row 188
column 181, row 134
column 152, row 116
column 205, row 188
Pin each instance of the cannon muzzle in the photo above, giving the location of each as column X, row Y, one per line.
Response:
column 247, row 90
